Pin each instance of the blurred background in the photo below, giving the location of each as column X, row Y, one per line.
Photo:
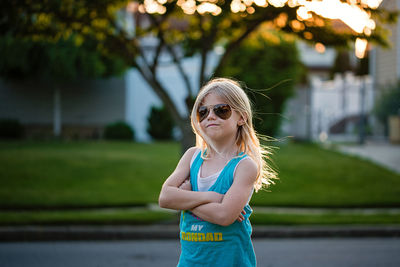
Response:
column 95, row 99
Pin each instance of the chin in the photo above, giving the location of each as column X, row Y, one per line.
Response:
column 212, row 134
column 220, row 135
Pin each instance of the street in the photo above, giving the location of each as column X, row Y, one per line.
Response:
column 270, row 252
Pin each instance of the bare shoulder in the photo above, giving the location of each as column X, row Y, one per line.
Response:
column 187, row 156
column 247, row 169
column 190, row 152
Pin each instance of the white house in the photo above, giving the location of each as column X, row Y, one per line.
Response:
column 84, row 108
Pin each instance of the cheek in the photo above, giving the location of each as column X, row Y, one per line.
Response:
column 202, row 126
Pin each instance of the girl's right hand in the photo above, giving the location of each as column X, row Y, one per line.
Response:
column 241, row 216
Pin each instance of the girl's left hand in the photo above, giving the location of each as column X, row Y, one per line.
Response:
column 186, row 185
column 241, row 216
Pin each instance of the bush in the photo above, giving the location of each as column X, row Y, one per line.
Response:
column 388, row 104
column 119, row 131
column 269, row 63
column 160, row 123
column 10, row 129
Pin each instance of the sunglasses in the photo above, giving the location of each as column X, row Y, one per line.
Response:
column 223, row 111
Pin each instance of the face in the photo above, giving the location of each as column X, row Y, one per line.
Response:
column 214, row 117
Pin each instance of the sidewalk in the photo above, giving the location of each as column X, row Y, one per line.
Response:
column 171, row 230
column 384, row 154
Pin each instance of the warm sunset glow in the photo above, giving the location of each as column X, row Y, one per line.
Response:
column 152, row 7
column 278, row 3
column 352, row 15
column 292, row 3
column 281, row 20
column 361, row 47
column 189, row 6
column 349, row 13
column 320, row 48
column 132, row 6
column 250, row 10
column 308, row 35
column 303, row 13
column 374, row 4
column 262, row 3
column 297, row 25
column 141, row 9
column 209, row 8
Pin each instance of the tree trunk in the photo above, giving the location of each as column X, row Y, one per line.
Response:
column 57, row 113
column 188, row 138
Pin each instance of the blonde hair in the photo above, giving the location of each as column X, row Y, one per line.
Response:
column 247, row 140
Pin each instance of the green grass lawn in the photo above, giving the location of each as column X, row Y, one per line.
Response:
column 314, row 177
column 92, row 174
column 83, row 173
column 68, row 174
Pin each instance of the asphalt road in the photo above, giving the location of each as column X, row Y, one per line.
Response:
column 270, row 252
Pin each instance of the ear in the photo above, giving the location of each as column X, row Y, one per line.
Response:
column 242, row 120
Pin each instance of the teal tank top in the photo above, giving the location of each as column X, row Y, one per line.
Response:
column 207, row 244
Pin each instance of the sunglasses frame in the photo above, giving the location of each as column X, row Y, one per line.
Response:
column 215, row 110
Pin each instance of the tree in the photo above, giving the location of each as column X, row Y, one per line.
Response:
column 270, row 65
column 183, row 28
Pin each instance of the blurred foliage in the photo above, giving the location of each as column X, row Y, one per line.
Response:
column 119, row 131
column 269, row 63
column 363, row 66
column 388, row 103
column 160, row 123
column 10, row 129
column 99, row 26
column 62, row 60
column 60, row 40
column 342, row 62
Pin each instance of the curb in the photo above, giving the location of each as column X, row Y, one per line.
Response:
column 160, row 232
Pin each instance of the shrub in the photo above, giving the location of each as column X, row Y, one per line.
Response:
column 10, row 129
column 119, row 131
column 388, row 104
column 160, row 123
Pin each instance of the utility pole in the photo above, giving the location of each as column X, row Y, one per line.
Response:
column 362, row 122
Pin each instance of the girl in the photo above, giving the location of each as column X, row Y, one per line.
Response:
column 214, row 181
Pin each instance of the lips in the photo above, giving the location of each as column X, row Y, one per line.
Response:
column 212, row 124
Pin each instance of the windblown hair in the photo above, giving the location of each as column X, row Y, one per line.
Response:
column 247, row 140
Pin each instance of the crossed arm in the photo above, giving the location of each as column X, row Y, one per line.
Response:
column 210, row 206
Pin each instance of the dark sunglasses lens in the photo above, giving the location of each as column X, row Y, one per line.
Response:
column 223, row 111
column 202, row 113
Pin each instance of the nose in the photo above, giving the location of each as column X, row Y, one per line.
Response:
column 211, row 115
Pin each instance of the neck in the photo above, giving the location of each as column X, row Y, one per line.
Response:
column 225, row 149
